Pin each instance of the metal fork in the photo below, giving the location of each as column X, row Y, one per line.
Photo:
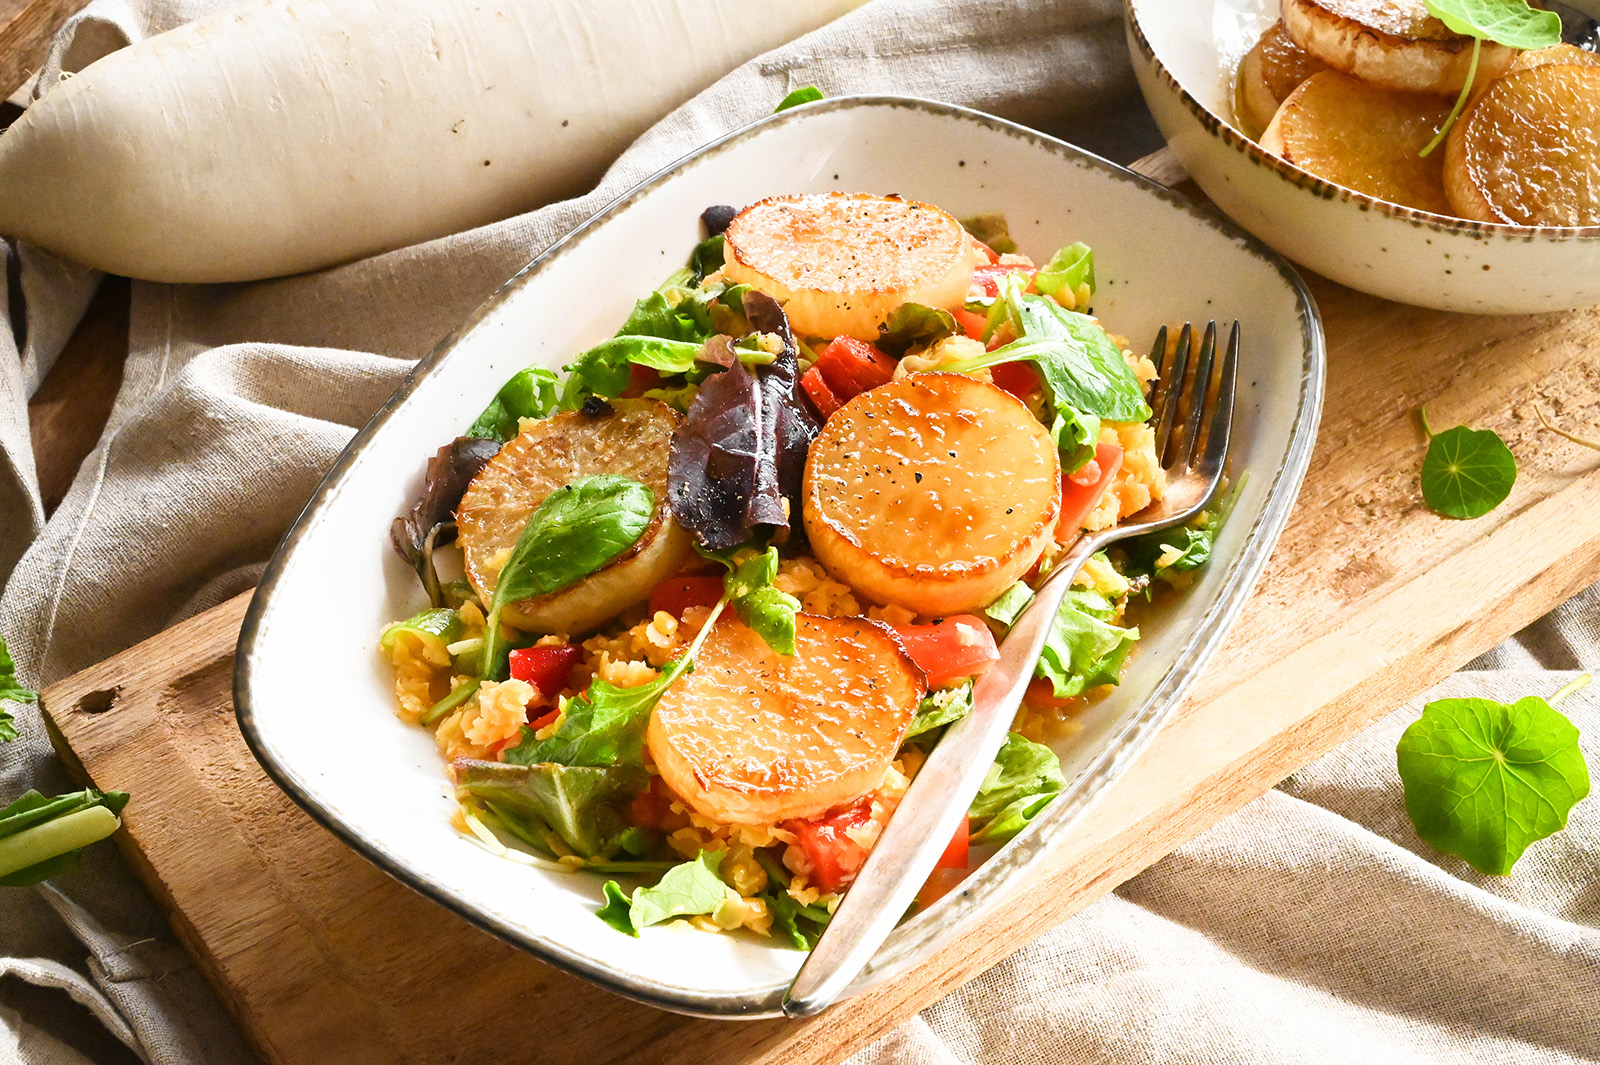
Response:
column 1193, row 411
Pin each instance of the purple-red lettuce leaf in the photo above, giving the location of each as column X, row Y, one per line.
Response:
column 430, row 522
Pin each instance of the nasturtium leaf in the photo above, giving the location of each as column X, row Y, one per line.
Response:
column 808, row 95
column 1483, row 780
column 1467, row 472
column 1512, row 23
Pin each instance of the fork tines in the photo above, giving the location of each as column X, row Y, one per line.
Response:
column 1187, row 386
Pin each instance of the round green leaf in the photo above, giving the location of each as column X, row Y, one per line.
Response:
column 1512, row 23
column 1484, row 780
column 1467, row 472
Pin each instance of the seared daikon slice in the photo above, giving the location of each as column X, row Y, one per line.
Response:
column 750, row 736
column 934, row 492
column 840, row 261
column 1270, row 71
column 1526, row 151
column 630, row 438
column 1364, row 138
column 1391, row 44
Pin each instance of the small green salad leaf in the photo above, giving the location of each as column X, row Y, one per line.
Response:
column 914, row 325
column 1024, row 778
column 1483, row 780
column 1084, row 650
column 605, row 369
column 808, row 95
column 762, row 606
column 801, row 925
column 579, row 528
column 1513, row 23
column 42, row 837
column 1466, row 472
column 1006, row 609
column 531, row 393
column 574, row 801
column 1070, row 271
column 1077, row 437
column 940, row 708
column 993, row 230
column 12, row 689
column 686, row 890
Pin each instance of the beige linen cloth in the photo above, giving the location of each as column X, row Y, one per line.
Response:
column 1312, row 926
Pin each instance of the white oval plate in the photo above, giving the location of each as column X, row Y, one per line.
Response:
column 1185, row 53
column 311, row 690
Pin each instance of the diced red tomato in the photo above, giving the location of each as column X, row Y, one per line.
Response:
column 1041, row 695
column 971, row 322
column 850, row 367
column 652, row 808
column 940, row 883
column 544, row 720
column 1081, row 491
column 509, row 741
column 988, row 278
column 955, row 852
column 988, row 252
column 951, row 648
column 677, row 594
column 548, row 667
column 822, row 396
column 835, row 858
column 1018, row 378
column 641, row 379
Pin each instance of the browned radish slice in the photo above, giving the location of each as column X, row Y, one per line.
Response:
column 750, row 736
column 1526, row 151
column 934, row 492
column 1364, row 138
column 630, row 439
column 1271, row 70
column 1565, row 54
column 841, row 261
column 1390, row 44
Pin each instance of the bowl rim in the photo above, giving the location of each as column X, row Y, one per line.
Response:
column 1224, row 130
column 758, row 1003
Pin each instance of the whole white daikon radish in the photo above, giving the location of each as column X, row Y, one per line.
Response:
column 287, row 135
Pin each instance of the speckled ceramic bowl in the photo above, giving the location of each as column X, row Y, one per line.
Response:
column 304, row 686
column 1185, row 53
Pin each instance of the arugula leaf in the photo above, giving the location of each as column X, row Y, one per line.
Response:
column 1080, row 366
column 574, row 801
column 42, row 837
column 1512, row 23
column 12, row 689
column 801, row 925
column 941, row 708
column 1024, row 778
column 1466, row 472
column 1483, row 780
column 914, row 325
column 531, row 393
column 1070, row 270
column 1010, row 605
column 685, row 891
column 762, row 606
column 808, row 95
column 1084, row 650
column 615, row 911
column 992, row 230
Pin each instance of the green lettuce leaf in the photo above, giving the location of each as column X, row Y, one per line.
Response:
column 760, row 604
column 912, row 325
column 941, row 708
column 1071, row 270
column 993, row 230
column 801, row 926
column 602, row 727
column 685, row 890
column 1012, row 602
column 574, row 801
column 1077, row 437
column 1024, row 778
column 531, row 393
column 615, row 911
column 1084, row 650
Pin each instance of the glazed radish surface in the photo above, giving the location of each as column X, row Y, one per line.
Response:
column 277, row 137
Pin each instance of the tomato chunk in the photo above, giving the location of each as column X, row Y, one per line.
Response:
column 677, row 594
column 988, row 278
column 641, row 379
column 1081, row 492
column 548, row 668
column 822, row 396
column 951, row 648
column 956, row 851
column 851, row 367
column 971, row 322
column 1018, row 378
column 835, row 858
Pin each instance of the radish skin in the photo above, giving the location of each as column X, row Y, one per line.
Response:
column 282, row 136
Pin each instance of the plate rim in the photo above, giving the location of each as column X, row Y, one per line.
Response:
column 763, row 1003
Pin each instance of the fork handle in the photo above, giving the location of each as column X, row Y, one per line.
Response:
column 933, row 805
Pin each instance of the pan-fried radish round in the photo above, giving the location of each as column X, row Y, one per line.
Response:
column 1557, row 54
column 1526, row 153
column 1363, row 138
column 630, row 439
column 1391, row 44
column 842, row 261
column 750, row 736
column 1270, row 71
column 934, row 492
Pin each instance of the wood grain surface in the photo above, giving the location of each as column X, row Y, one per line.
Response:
column 26, row 27
column 1368, row 599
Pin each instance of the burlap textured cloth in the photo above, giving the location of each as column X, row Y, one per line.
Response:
column 1312, row 926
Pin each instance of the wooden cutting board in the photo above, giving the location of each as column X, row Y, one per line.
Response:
column 1369, row 598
